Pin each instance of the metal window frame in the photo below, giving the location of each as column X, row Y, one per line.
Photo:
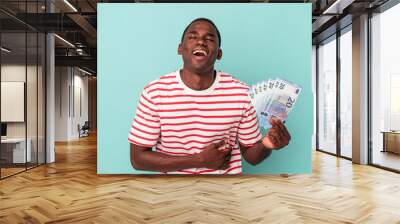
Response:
column 337, row 35
column 389, row 4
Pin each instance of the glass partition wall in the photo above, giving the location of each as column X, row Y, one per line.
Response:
column 13, row 110
column 22, row 88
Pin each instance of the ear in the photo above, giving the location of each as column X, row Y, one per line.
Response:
column 219, row 55
column 180, row 49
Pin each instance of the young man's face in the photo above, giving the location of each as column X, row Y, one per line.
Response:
column 199, row 48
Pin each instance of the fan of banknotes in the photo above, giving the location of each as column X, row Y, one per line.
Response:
column 273, row 98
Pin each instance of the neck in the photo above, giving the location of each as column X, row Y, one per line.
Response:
column 197, row 81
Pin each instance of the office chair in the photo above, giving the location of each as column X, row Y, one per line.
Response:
column 84, row 130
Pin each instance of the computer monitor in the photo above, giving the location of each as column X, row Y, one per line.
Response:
column 3, row 129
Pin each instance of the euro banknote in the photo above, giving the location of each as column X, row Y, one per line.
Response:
column 273, row 98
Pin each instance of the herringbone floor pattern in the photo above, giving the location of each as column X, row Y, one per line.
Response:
column 70, row 191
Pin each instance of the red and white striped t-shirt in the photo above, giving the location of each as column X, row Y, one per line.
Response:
column 180, row 121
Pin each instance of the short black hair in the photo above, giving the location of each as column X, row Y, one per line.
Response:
column 206, row 20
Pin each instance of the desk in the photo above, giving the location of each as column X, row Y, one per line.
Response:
column 391, row 141
column 15, row 148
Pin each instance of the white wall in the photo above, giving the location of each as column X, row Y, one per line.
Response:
column 62, row 81
column 71, row 102
column 9, row 73
column 81, row 113
column 33, row 127
column 16, row 72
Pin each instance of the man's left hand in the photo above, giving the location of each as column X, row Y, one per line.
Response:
column 277, row 136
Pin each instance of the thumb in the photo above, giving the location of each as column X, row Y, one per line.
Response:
column 227, row 151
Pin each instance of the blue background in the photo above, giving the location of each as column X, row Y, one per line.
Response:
column 137, row 43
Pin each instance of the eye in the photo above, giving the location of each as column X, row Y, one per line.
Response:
column 192, row 36
column 210, row 39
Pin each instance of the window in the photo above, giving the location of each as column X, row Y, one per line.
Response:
column 327, row 96
column 346, row 93
column 385, row 89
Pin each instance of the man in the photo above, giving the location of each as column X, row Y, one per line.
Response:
column 200, row 121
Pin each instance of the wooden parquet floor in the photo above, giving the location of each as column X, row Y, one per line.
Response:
column 70, row 191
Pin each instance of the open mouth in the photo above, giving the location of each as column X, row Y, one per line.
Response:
column 200, row 53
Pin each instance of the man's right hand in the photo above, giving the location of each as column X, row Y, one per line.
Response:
column 214, row 158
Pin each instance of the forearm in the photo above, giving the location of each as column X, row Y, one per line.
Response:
column 256, row 153
column 156, row 161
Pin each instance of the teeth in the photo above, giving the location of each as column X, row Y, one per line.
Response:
column 200, row 52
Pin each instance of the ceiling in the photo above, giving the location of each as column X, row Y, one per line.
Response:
column 76, row 22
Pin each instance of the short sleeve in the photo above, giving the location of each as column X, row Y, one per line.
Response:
column 249, row 131
column 145, row 130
